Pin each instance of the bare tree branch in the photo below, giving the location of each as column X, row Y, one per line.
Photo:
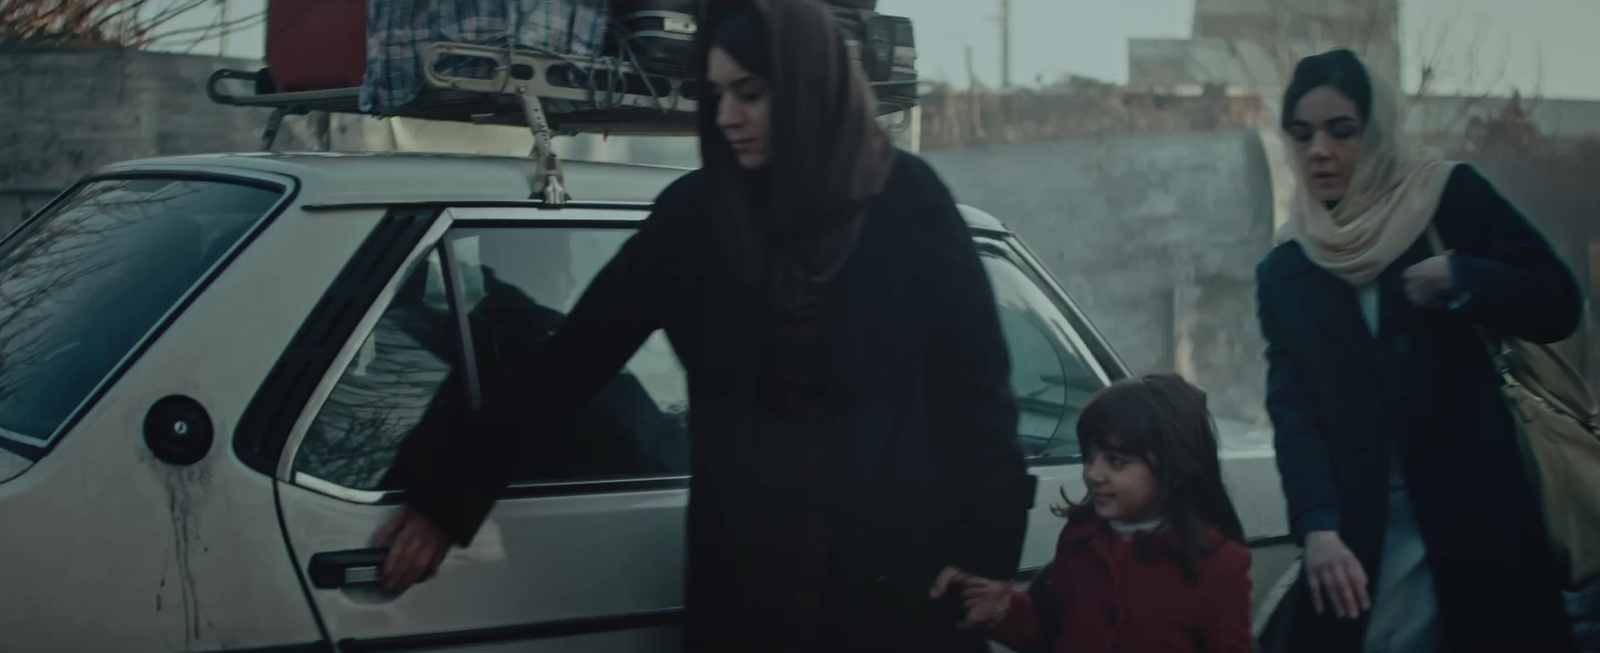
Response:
column 132, row 24
column 214, row 30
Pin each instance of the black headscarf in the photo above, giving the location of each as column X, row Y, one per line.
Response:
column 789, row 228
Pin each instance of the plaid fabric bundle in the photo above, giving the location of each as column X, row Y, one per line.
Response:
column 398, row 30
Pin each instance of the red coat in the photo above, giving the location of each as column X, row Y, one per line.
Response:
column 1112, row 601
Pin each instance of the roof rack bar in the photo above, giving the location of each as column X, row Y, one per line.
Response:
column 275, row 123
column 548, row 181
column 551, row 94
column 591, row 82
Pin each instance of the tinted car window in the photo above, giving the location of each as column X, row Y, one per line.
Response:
column 520, row 284
column 517, row 286
column 405, row 368
column 1049, row 376
column 83, row 284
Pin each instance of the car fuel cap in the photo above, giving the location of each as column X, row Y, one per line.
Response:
column 178, row 430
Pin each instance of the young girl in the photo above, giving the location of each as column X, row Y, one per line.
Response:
column 1152, row 560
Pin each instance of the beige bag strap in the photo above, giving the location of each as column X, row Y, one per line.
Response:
column 1435, row 241
column 1579, row 403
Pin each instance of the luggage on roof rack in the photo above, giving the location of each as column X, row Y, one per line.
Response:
column 316, row 44
column 424, row 64
column 886, row 46
column 379, row 45
column 579, row 95
column 656, row 34
column 535, row 63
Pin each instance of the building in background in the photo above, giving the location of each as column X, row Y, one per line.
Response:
column 1251, row 46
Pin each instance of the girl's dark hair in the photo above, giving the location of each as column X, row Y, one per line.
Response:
column 1162, row 420
column 1341, row 69
column 743, row 35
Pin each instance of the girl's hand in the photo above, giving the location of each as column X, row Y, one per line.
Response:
column 987, row 601
column 1332, row 569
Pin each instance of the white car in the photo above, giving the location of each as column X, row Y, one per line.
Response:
column 207, row 363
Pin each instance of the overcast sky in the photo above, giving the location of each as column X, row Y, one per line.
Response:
column 1089, row 37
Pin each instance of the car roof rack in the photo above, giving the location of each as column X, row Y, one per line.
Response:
column 545, row 92
column 549, row 93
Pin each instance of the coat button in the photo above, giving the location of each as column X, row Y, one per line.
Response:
column 1402, row 344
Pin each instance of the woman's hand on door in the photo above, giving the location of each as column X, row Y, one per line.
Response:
column 1335, row 576
column 416, row 549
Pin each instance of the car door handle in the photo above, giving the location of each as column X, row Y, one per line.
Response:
column 337, row 569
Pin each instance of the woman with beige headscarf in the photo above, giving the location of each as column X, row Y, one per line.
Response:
column 1398, row 455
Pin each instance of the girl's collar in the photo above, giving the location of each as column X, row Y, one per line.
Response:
column 1083, row 525
column 1129, row 529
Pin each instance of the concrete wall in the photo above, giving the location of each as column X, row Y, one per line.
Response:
column 1156, row 236
column 66, row 112
column 1447, row 116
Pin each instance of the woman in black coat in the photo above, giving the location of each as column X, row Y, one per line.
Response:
column 853, row 431
column 1398, row 454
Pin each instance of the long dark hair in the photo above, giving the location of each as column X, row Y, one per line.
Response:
column 790, row 233
column 1162, row 420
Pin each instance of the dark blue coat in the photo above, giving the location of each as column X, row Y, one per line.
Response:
column 1342, row 401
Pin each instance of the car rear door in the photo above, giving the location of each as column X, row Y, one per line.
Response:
column 1057, row 365
column 585, row 550
column 1245, row 451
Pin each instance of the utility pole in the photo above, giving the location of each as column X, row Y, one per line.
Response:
column 972, row 74
column 222, row 33
column 1005, row 44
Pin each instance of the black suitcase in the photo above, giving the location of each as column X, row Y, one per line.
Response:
column 657, row 34
column 886, row 46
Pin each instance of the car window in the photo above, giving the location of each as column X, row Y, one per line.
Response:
column 405, row 368
column 83, row 284
column 1049, row 376
column 517, row 286
column 521, row 283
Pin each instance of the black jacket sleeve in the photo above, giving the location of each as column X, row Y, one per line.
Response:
column 1299, row 434
column 1505, row 270
column 454, row 480
column 970, row 354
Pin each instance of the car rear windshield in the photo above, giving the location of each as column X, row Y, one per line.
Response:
column 83, row 285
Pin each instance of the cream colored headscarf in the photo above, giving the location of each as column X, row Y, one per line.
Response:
column 1388, row 206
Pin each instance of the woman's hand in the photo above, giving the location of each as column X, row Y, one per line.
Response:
column 1430, row 284
column 416, row 548
column 1332, row 569
column 986, row 600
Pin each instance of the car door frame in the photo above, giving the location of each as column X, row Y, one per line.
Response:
column 419, row 241
column 465, row 217
column 1270, row 550
column 409, row 234
column 1055, row 473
